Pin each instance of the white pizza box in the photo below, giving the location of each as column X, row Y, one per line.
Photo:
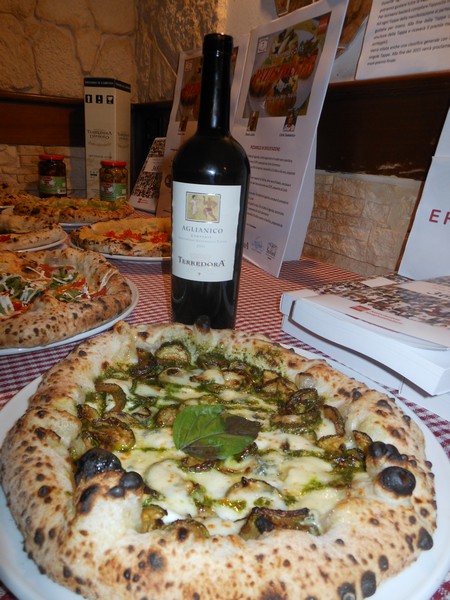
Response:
column 374, row 352
column 107, row 117
column 366, row 367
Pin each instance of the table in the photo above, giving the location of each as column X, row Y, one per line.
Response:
column 258, row 311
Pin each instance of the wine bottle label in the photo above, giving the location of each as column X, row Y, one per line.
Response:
column 204, row 231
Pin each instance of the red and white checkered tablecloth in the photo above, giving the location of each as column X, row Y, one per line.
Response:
column 258, row 311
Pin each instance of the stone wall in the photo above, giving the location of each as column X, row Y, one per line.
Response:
column 19, row 167
column 48, row 47
column 360, row 222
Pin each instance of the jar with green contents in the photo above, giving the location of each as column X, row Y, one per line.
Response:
column 52, row 176
column 113, row 180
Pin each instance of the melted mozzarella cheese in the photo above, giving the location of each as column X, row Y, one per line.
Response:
column 321, row 501
column 223, row 495
column 303, row 471
column 271, row 440
column 172, row 483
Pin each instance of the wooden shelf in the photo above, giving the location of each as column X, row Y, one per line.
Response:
column 383, row 126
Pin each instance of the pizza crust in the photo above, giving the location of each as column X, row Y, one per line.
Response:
column 73, row 210
column 87, row 535
column 48, row 320
column 27, row 232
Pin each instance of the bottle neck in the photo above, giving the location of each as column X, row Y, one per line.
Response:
column 214, row 113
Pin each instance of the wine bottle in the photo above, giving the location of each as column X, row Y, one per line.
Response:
column 210, row 177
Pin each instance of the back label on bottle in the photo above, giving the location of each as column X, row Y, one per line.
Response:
column 205, row 221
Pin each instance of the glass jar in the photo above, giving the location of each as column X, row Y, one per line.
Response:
column 113, row 180
column 52, row 176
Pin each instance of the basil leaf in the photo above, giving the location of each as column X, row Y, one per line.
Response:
column 208, row 431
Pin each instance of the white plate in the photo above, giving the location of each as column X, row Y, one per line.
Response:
column 85, row 334
column 70, row 226
column 418, row 582
column 140, row 259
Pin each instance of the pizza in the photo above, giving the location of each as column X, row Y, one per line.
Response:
column 73, row 210
column 128, row 237
column 10, row 195
column 174, row 461
column 23, row 233
column 51, row 295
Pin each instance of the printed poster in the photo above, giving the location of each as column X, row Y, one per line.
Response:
column 427, row 251
column 405, row 37
column 288, row 67
column 145, row 193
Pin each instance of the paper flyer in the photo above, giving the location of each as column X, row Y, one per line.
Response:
column 145, row 193
column 184, row 114
column 404, row 37
column 289, row 63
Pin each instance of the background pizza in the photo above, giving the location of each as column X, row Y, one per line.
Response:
column 21, row 233
column 127, row 237
column 73, row 210
column 49, row 296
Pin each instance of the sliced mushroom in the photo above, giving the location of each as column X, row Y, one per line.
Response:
column 152, row 517
column 182, row 529
column 264, row 520
column 173, row 353
column 303, row 422
column 332, row 413
column 279, row 387
column 212, row 360
column 299, row 402
column 110, row 434
column 146, row 365
column 87, row 413
column 165, row 417
column 362, row 440
column 115, row 391
column 331, row 443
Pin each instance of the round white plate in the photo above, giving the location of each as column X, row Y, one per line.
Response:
column 70, row 226
column 418, row 582
column 139, row 259
column 85, row 334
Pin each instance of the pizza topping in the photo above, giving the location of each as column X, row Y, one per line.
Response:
column 216, row 438
column 155, row 237
column 263, row 520
column 209, row 432
column 65, row 283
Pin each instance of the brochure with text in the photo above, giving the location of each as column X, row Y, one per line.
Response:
column 417, row 309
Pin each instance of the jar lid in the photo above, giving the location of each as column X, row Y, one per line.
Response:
column 50, row 157
column 112, row 163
